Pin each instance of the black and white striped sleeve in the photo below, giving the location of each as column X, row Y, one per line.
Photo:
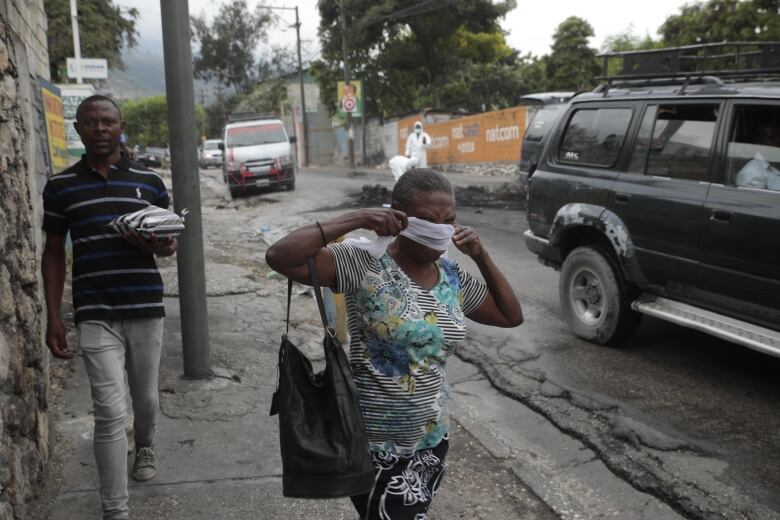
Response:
column 473, row 289
column 351, row 266
column 54, row 220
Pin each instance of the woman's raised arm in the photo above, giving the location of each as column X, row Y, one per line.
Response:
column 289, row 255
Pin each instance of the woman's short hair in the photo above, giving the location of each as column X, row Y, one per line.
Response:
column 417, row 181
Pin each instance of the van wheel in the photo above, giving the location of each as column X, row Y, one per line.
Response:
column 234, row 192
column 595, row 300
column 291, row 185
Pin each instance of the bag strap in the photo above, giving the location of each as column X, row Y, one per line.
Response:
column 289, row 301
column 315, row 280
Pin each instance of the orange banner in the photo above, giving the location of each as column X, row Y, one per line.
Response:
column 489, row 137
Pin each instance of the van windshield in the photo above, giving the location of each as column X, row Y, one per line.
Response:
column 211, row 145
column 255, row 135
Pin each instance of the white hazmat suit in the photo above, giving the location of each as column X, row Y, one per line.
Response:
column 400, row 165
column 416, row 145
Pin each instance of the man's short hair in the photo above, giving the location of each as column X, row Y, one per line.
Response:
column 97, row 97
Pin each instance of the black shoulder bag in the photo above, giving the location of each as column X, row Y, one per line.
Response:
column 323, row 440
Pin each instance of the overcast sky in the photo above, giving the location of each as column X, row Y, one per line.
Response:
column 530, row 25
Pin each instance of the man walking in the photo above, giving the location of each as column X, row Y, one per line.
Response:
column 117, row 292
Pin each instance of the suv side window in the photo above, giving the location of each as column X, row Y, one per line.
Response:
column 681, row 143
column 594, row 136
column 753, row 152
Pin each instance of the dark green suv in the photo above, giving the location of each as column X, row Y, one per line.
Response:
column 659, row 194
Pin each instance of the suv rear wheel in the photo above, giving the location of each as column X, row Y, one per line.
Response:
column 595, row 300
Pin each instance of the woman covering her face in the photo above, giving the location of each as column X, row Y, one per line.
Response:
column 406, row 306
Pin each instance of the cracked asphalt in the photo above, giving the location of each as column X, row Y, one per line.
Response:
column 674, row 424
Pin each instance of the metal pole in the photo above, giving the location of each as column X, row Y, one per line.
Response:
column 74, row 21
column 347, row 78
column 186, row 186
column 363, row 122
column 305, row 125
column 203, row 123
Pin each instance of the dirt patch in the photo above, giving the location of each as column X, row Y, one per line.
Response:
column 508, row 195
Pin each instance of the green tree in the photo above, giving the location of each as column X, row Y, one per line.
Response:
column 412, row 54
column 265, row 96
column 104, row 29
column 533, row 73
column 146, row 120
column 723, row 20
column 626, row 41
column 227, row 45
column 572, row 64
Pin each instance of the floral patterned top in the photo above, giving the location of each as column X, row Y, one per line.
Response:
column 400, row 338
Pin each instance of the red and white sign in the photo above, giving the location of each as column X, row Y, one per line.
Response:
column 349, row 104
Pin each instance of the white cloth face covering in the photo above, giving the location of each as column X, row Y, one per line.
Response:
column 435, row 236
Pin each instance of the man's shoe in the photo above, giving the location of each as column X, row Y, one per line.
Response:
column 145, row 465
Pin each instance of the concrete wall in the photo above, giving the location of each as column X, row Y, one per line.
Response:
column 486, row 144
column 24, row 366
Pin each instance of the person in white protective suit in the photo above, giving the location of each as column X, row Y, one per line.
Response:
column 416, row 145
column 400, row 165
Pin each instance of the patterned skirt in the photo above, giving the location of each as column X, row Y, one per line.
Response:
column 404, row 486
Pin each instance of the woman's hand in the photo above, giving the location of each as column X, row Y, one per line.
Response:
column 467, row 241
column 383, row 221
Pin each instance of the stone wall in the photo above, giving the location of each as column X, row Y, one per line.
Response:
column 24, row 366
column 28, row 20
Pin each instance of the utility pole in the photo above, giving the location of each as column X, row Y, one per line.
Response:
column 347, row 79
column 186, row 186
column 74, row 22
column 304, row 122
column 203, row 123
column 363, row 123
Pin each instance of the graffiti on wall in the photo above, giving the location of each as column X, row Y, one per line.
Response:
column 489, row 137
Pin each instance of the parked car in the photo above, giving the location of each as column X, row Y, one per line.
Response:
column 210, row 154
column 258, row 153
column 155, row 155
column 659, row 194
column 545, row 108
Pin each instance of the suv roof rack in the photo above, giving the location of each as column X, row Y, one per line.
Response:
column 703, row 64
column 249, row 116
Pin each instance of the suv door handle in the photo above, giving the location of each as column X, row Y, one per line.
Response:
column 622, row 198
column 721, row 216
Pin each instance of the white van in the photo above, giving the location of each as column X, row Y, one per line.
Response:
column 258, row 153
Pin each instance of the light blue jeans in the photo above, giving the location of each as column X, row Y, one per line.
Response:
column 109, row 348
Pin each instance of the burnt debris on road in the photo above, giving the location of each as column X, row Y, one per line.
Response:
column 508, row 195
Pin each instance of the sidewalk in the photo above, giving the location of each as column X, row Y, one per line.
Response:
column 217, row 448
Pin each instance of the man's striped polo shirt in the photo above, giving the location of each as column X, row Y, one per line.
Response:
column 112, row 279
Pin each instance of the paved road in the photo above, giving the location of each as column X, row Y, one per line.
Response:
column 691, row 418
column 674, row 419
column 682, row 415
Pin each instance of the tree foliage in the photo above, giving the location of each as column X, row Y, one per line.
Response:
column 572, row 64
column 411, row 54
column 228, row 44
column 146, row 120
column 104, row 30
column 533, row 73
column 723, row 20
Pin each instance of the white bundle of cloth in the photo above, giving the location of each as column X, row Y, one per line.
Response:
column 435, row 236
column 400, row 165
column 151, row 220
